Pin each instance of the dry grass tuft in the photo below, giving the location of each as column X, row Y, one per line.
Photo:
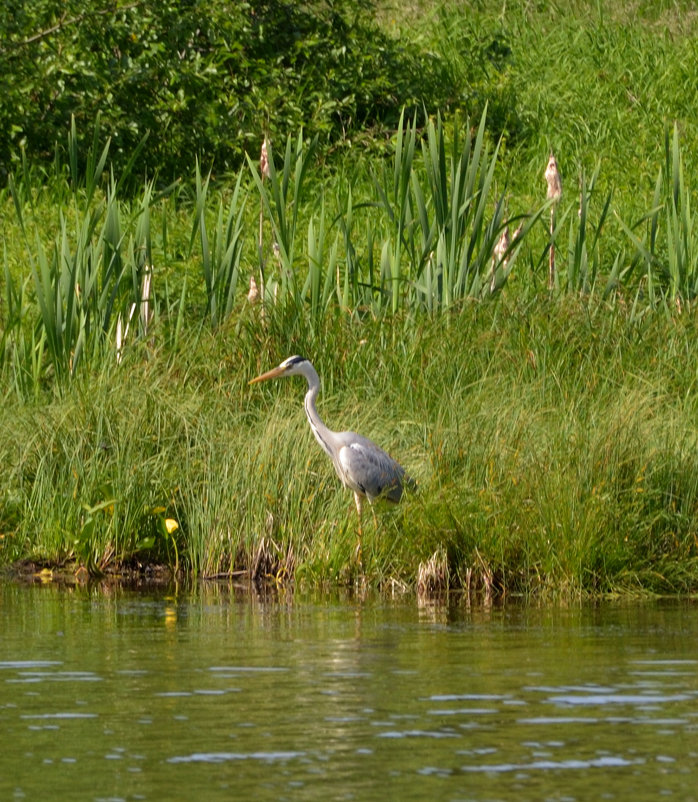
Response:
column 433, row 575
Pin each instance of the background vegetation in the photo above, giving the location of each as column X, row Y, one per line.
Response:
column 204, row 80
column 401, row 238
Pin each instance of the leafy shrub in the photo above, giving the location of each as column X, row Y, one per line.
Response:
column 204, row 79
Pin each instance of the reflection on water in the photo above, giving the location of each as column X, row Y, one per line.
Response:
column 122, row 696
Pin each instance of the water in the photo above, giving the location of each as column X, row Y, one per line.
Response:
column 117, row 695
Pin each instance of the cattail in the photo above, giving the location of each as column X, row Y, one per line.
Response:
column 122, row 333
column 552, row 176
column 253, row 294
column 499, row 256
column 502, row 245
column 119, row 339
column 264, row 161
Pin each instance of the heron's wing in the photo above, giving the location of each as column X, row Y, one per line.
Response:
column 366, row 468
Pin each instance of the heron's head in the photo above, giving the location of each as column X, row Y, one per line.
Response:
column 293, row 366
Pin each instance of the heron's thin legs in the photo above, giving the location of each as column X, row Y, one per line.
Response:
column 359, row 506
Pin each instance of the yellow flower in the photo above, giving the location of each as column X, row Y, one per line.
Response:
column 171, row 525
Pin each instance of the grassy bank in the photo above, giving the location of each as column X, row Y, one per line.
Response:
column 551, row 429
column 554, row 446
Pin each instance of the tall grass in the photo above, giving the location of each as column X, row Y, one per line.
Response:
column 82, row 280
column 435, row 232
column 669, row 263
column 220, row 258
column 551, row 432
column 557, row 455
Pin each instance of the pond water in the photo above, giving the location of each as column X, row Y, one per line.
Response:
column 215, row 693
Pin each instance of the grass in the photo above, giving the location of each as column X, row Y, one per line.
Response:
column 551, row 431
column 556, row 453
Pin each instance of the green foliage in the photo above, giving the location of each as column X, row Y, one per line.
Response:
column 477, row 53
column 550, row 430
column 668, row 256
column 584, row 260
column 559, row 455
column 428, row 234
column 220, row 258
column 201, row 80
column 281, row 204
column 92, row 275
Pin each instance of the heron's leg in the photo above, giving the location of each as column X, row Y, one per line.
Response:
column 359, row 506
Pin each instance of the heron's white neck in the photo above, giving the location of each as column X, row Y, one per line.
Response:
column 322, row 434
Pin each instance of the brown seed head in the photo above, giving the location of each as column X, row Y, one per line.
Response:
column 264, row 161
column 502, row 245
column 552, row 176
column 253, row 294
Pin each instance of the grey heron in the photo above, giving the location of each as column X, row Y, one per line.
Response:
column 360, row 464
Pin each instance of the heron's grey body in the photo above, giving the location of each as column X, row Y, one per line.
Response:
column 360, row 464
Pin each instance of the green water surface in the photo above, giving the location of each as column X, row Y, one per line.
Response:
column 216, row 693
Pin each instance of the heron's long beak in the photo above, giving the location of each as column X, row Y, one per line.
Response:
column 270, row 374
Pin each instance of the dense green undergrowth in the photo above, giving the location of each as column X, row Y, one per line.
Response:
column 530, row 361
column 176, row 78
column 554, row 446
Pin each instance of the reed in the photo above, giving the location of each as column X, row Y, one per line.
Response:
column 92, row 272
column 550, row 431
column 220, row 258
column 441, row 234
column 682, row 237
column 434, row 234
column 557, row 457
column 282, row 204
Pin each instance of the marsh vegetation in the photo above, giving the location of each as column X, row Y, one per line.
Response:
column 529, row 356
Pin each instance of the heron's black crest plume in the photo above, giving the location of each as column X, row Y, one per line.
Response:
column 294, row 360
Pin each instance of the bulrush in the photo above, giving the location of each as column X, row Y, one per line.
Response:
column 265, row 173
column 253, row 294
column 146, row 311
column 552, row 176
column 264, row 161
column 499, row 256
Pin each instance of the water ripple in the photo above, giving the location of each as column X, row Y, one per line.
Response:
column 224, row 757
column 67, row 715
column 463, row 711
column 419, row 734
column 545, row 765
column 25, row 677
column 466, row 697
column 248, row 669
column 620, row 699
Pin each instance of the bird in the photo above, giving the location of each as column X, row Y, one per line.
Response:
column 361, row 465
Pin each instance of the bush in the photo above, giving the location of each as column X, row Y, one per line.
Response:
column 206, row 80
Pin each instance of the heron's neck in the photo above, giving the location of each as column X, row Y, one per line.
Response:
column 322, row 434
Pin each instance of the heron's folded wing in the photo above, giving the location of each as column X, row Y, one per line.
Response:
column 371, row 471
